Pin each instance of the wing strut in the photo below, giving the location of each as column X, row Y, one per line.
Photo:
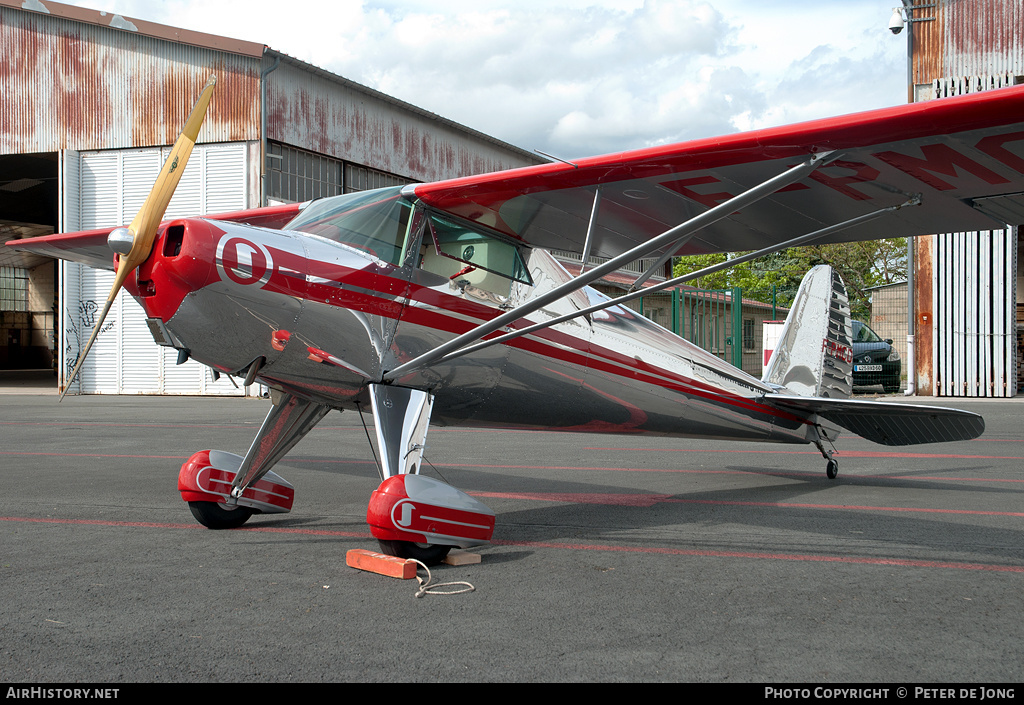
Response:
column 674, row 235
column 590, row 229
column 795, row 242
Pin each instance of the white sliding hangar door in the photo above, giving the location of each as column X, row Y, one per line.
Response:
column 974, row 292
column 107, row 188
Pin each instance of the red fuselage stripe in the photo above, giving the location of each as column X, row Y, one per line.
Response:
column 548, row 343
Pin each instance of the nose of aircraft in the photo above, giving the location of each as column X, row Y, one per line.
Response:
column 183, row 261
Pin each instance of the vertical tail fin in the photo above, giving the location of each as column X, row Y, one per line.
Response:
column 814, row 357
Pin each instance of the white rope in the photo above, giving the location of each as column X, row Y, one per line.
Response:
column 426, row 588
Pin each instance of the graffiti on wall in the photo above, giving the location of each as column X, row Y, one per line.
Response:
column 79, row 328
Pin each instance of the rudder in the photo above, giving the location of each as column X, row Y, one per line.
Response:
column 814, row 356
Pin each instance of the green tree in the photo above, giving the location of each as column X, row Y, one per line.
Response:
column 862, row 265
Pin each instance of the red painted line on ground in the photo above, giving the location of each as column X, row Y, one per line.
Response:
column 957, row 479
column 649, row 500
column 495, row 466
column 102, row 424
column 838, row 454
column 577, row 546
column 97, row 455
column 102, row 522
column 804, row 505
column 705, row 471
column 153, row 525
column 904, row 562
column 623, row 500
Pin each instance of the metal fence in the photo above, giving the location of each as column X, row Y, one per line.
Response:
column 713, row 320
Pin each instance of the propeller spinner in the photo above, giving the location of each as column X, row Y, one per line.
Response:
column 135, row 243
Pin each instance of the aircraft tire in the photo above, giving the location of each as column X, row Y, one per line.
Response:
column 213, row 516
column 426, row 553
column 832, row 469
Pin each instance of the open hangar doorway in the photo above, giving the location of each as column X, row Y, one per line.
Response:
column 29, row 207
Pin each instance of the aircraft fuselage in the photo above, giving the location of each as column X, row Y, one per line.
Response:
column 327, row 317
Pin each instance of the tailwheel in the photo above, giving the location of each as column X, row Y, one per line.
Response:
column 214, row 515
column 426, row 553
column 832, row 469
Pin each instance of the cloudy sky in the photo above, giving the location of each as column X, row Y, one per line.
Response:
column 581, row 77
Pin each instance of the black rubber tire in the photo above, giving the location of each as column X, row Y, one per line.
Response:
column 213, row 516
column 890, row 388
column 426, row 553
column 832, row 469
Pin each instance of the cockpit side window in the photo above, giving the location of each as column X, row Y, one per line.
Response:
column 469, row 256
column 376, row 222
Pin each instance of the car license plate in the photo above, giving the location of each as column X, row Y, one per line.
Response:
column 867, row 368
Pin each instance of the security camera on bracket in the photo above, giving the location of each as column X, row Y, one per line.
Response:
column 896, row 22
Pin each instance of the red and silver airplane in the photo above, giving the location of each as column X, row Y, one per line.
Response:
column 439, row 302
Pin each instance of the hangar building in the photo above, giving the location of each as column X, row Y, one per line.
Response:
column 968, row 306
column 92, row 103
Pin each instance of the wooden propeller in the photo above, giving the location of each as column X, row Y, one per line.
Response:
column 135, row 244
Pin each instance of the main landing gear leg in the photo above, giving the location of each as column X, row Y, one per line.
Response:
column 412, row 516
column 223, row 489
column 832, row 466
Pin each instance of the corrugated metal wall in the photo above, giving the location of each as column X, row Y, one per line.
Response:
column 966, row 288
column 968, row 38
column 92, row 85
column 72, row 85
column 317, row 111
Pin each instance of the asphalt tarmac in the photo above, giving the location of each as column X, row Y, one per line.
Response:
column 616, row 558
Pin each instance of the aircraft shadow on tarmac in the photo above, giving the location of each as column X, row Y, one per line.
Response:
column 897, row 527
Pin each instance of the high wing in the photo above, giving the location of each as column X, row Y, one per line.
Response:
column 963, row 156
column 961, row 159
column 90, row 246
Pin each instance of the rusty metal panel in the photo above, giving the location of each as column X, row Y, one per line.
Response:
column 964, row 331
column 924, row 328
column 928, row 44
column 969, row 38
column 323, row 113
column 76, row 85
column 984, row 37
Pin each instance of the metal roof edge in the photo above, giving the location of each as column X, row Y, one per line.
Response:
column 244, row 48
column 373, row 93
column 143, row 27
column 883, row 286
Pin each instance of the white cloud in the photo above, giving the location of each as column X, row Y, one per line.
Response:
column 578, row 77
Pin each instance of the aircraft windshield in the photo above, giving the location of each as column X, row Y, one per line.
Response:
column 376, row 221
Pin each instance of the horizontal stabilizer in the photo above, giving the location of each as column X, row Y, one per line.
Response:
column 87, row 247
column 888, row 423
column 90, row 247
